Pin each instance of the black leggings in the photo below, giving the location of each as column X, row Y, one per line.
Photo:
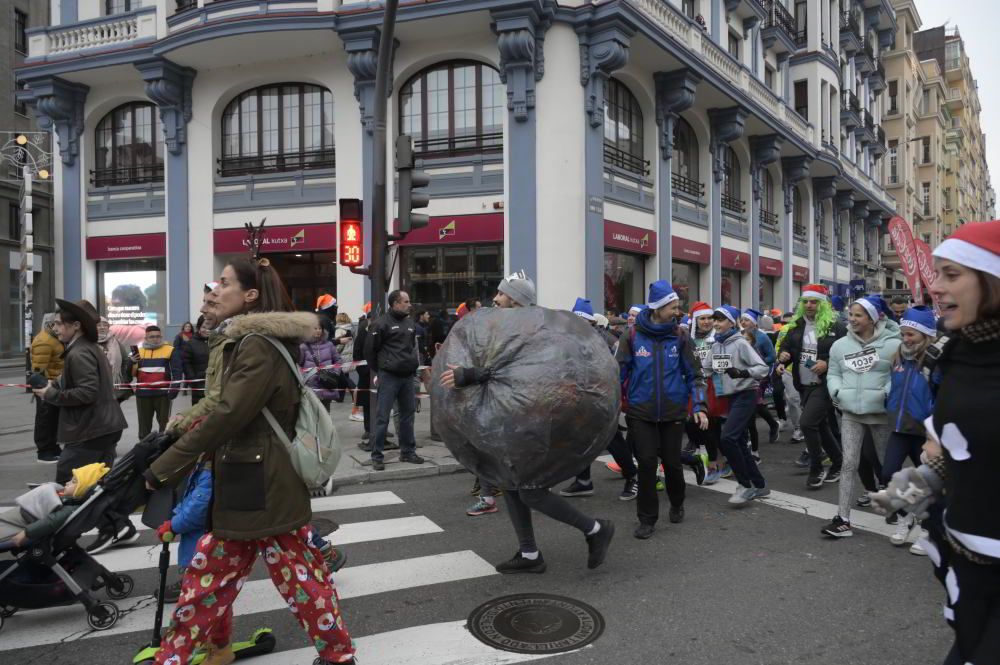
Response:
column 708, row 438
column 520, row 503
column 869, row 466
column 765, row 413
column 621, row 451
column 778, row 393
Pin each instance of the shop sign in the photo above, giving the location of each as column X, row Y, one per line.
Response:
column 734, row 260
column 295, row 238
column 925, row 263
column 906, row 250
column 771, row 267
column 682, row 249
column 460, row 229
column 139, row 246
column 800, row 273
column 629, row 238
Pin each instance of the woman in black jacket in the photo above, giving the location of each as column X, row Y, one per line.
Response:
column 364, row 376
column 195, row 357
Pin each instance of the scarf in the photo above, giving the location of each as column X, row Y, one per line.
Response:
column 981, row 332
column 722, row 337
column 151, row 347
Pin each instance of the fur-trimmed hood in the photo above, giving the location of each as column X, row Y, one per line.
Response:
column 291, row 326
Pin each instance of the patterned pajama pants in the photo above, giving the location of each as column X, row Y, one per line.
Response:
column 217, row 572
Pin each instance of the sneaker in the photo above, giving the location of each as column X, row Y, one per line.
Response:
column 838, row 528
column 815, row 480
column 335, row 559
column 727, row 472
column 917, row 548
column 47, row 459
column 773, row 434
column 518, row 564
column 798, row 436
column 833, row 475
column 864, row 501
column 676, row 514
column 599, row 543
column 357, row 417
column 107, row 539
column 411, row 458
column 613, row 466
column 476, row 488
column 759, row 492
column 630, row 491
column 131, row 535
column 577, row 489
column 365, row 436
column 365, row 445
column 739, row 496
column 482, row 507
column 783, row 425
column 171, row 593
column 712, row 476
column 643, row 531
column 378, row 465
column 804, row 461
column 902, row 531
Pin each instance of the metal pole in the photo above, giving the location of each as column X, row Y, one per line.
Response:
column 380, row 238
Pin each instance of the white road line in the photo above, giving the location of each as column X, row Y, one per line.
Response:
column 448, row 643
column 51, row 626
column 134, row 558
column 320, row 505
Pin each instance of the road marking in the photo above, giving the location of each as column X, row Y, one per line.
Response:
column 124, row 559
column 448, row 643
column 64, row 624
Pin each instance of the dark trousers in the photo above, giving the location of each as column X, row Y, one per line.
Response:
column 778, row 394
column 900, row 447
column 75, row 455
column 391, row 388
column 764, row 413
column 869, row 465
column 621, row 451
column 706, row 437
column 520, row 503
column 656, row 442
column 146, row 408
column 977, row 613
column 196, row 395
column 816, row 409
column 742, row 406
column 46, row 426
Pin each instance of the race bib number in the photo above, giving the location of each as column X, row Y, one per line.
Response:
column 722, row 362
column 808, row 356
column 704, row 352
column 862, row 361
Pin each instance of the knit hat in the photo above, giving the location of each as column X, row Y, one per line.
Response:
column 519, row 287
column 686, row 322
column 584, row 309
column 817, row 291
column 87, row 476
column 325, row 302
column 661, row 293
column 870, row 306
column 700, row 309
column 766, row 323
column 919, row 318
column 975, row 246
column 837, row 302
column 635, row 309
column 727, row 312
column 751, row 314
column 602, row 321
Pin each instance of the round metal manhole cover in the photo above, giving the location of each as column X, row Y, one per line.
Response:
column 535, row 623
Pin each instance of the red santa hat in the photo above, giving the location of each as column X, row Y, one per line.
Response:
column 700, row 309
column 975, row 246
column 817, row 291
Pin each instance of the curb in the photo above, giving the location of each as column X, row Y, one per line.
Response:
column 429, row 468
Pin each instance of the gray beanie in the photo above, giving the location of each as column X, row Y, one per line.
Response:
column 519, row 287
column 765, row 323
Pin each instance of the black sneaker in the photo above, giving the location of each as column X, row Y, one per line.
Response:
column 676, row 514
column 518, row 564
column 773, row 434
column 108, row 538
column 699, row 470
column 171, row 594
column 838, row 528
column 365, row 445
column 815, row 479
column 804, row 461
column 630, row 491
column 644, row 531
column 833, row 475
column 411, row 458
column 577, row 489
column 48, row 459
column 599, row 543
column 378, row 465
column 130, row 535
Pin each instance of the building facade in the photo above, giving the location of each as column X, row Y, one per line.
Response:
column 19, row 17
column 733, row 147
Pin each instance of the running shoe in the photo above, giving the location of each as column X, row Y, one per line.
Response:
column 613, row 466
column 483, row 506
column 838, row 528
column 712, row 476
column 739, row 496
column 676, row 514
column 726, row 472
column 864, row 501
column 700, row 467
column 918, row 548
column 126, row 535
column 357, row 417
column 598, row 544
column 833, row 475
column 798, row 436
column 518, row 564
column 631, row 489
column 759, row 492
column 804, row 461
column 577, row 489
column 902, row 531
column 814, row 480
column 643, row 531
column 48, row 459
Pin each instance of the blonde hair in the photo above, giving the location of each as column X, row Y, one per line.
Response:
column 343, row 317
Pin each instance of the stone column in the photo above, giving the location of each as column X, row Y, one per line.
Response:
column 726, row 127
column 764, row 150
column 169, row 86
column 674, row 93
column 793, row 171
column 823, row 189
column 786, row 78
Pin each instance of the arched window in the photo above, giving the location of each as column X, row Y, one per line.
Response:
column 768, row 215
column 128, row 146
column 623, row 145
column 684, row 163
column 732, row 175
column 798, row 215
column 454, row 108
column 274, row 128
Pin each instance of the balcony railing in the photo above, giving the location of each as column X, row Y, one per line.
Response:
column 800, row 233
column 850, row 22
column 779, row 17
column 184, row 5
column 869, row 120
column 851, row 101
column 687, row 186
column 128, row 175
column 323, row 158
column 458, row 146
column 880, row 135
column 769, row 220
column 824, row 241
column 100, row 33
column 733, row 204
column 801, row 38
column 624, row 160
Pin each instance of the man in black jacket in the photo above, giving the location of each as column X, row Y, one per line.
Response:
column 391, row 352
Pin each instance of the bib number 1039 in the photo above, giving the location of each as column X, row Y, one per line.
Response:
column 862, row 361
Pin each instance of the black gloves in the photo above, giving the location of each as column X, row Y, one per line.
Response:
column 466, row 376
column 734, row 373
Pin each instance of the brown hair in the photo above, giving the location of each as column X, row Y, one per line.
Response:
column 261, row 275
column 343, row 317
column 989, row 306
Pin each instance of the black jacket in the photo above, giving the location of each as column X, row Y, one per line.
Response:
column 195, row 357
column 85, row 395
column 793, row 345
column 391, row 345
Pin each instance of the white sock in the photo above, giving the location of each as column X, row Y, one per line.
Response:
column 597, row 527
column 530, row 556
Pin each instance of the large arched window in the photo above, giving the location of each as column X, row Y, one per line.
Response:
column 623, row 145
column 128, row 146
column 732, row 175
column 684, row 163
column 768, row 214
column 282, row 127
column 453, row 108
column 798, row 215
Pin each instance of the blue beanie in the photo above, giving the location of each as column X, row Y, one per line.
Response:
column 584, row 309
column 881, row 305
column 661, row 293
column 919, row 318
column 837, row 302
column 729, row 312
column 634, row 309
column 752, row 314
column 686, row 322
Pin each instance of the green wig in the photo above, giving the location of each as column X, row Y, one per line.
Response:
column 826, row 317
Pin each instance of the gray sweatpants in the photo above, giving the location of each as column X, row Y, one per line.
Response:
column 852, row 436
column 793, row 403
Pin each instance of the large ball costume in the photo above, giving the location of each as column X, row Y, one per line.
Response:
column 549, row 408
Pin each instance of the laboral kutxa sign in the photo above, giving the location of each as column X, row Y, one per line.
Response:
column 629, row 238
column 906, row 250
column 296, row 238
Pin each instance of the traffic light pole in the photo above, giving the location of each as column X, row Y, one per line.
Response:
column 380, row 238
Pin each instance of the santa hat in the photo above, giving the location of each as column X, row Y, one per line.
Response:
column 462, row 310
column 700, row 309
column 661, row 293
column 920, row 319
column 870, row 306
column 727, row 312
column 584, row 309
column 325, row 302
column 975, row 246
column 751, row 314
column 817, row 291
column 635, row 309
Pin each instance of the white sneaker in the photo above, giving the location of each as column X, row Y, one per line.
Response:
column 798, row 436
column 902, row 532
column 739, row 495
column 917, row 548
column 357, row 417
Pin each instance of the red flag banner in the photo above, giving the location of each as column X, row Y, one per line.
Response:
column 925, row 262
column 906, row 250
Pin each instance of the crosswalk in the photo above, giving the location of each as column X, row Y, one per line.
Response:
column 431, row 644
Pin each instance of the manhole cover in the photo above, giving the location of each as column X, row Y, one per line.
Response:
column 535, row 623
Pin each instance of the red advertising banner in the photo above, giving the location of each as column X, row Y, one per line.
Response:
column 925, row 262
column 693, row 251
column 629, row 238
column 458, row 229
column 906, row 250
column 734, row 260
column 800, row 273
column 771, row 267
column 296, row 238
column 139, row 246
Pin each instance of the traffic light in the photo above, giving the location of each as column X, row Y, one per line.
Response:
column 352, row 238
column 410, row 180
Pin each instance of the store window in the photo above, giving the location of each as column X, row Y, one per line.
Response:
column 132, row 296
column 623, row 143
column 684, row 278
column 128, row 146
column 767, row 292
column 307, row 276
column 732, row 288
column 624, row 280
column 442, row 277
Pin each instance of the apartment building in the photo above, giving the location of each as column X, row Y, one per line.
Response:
column 734, row 147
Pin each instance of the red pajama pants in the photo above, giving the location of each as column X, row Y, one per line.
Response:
column 217, row 572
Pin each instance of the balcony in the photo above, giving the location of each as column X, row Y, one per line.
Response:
column 255, row 191
column 779, row 31
column 770, row 229
column 683, row 185
column 877, row 78
column 323, row 158
column 93, row 35
column 800, row 240
column 864, row 59
column 850, row 110
column 866, row 130
column 626, row 161
column 459, row 146
column 879, row 146
column 629, row 188
column 129, row 175
column 734, row 205
column 850, row 32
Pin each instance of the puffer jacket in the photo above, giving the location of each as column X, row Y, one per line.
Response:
column 741, row 355
column 190, row 516
column 764, row 347
column 46, row 354
column 256, row 490
column 857, row 391
column 911, row 399
column 320, row 354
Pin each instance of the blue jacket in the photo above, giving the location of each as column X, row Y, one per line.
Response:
column 764, row 346
column 911, row 400
column 660, row 373
column 190, row 517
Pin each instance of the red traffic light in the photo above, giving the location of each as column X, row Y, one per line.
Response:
column 352, row 240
